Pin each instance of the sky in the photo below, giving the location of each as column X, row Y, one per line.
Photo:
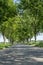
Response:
column 1, row 39
column 16, row 1
column 39, row 37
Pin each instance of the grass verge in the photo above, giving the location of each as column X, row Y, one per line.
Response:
column 37, row 44
column 3, row 45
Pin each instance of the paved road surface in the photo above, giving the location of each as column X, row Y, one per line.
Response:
column 21, row 55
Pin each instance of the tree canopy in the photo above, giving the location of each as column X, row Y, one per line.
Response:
column 22, row 20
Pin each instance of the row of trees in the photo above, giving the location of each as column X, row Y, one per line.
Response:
column 21, row 21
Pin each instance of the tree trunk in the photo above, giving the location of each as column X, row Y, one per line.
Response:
column 27, row 40
column 35, row 31
column 30, row 39
column 35, row 37
column 23, row 41
column 11, row 41
column 4, row 39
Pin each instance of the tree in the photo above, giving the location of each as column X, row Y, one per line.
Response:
column 23, row 28
column 35, row 8
column 7, row 10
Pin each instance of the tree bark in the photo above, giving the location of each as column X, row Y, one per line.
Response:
column 35, row 37
column 27, row 40
column 30, row 39
column 11, row 41
column 35, row 31
column 4, row 38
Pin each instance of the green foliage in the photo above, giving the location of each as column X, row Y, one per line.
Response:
column 33, row 8
column 7, row 9
column 40, row 44
column 36, row 44
column 2, row 45
column 21, row 21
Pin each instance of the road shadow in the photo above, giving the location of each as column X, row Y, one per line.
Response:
column 21, row 56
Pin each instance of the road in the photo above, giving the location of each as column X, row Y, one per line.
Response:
column 21, row 55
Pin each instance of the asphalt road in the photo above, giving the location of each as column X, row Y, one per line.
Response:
column 21, row 55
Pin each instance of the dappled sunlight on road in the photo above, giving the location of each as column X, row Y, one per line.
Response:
column 37, row 59
column 21, row 55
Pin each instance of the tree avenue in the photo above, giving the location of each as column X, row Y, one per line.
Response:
column 22, row 20
column 7, row 10
column 33, row 8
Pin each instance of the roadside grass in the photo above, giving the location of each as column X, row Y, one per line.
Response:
column 36, row 44
column 3, row 45
column 40, row 44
